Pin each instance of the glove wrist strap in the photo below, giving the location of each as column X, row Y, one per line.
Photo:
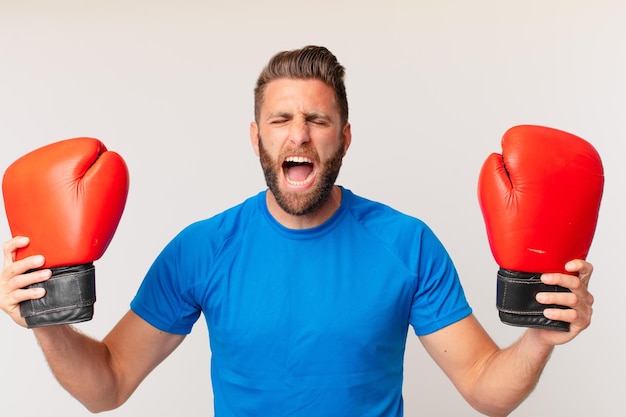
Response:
column 516, row 302
column 70, row 296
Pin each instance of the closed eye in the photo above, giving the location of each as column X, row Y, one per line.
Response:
column 318, row 120
column 278, row 118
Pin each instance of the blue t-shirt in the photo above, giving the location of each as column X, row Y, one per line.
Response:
column 305, row 322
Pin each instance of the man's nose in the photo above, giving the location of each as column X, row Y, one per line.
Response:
column 299, row 133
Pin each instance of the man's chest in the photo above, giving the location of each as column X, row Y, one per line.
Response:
column 298, row 307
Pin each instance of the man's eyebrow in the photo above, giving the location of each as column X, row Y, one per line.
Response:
column 281, row 114
column 317, row 115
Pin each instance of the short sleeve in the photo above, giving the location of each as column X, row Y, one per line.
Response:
column 439, row 299
column 162, row 297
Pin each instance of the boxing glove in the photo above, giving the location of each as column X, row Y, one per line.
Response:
column 540, row 200
column 68, row 198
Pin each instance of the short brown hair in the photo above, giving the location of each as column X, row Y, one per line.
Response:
column 310, row 62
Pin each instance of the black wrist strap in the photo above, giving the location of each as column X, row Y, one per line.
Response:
column 70, row 296
column 517, row 304
column 517, row 292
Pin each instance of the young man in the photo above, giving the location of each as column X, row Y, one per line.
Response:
column 308, row 289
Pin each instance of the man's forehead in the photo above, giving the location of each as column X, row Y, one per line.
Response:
column 290, row 91
column 281, row 84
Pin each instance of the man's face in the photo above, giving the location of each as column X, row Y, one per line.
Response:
column 301, row 143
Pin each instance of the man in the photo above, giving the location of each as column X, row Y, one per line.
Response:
column 307, row 289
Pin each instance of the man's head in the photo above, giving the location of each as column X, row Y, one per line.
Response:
column 310, row 62
column 301, row 132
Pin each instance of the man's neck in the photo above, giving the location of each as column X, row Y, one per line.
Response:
column 306, row 221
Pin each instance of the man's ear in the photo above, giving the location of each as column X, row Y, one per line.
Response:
column 347, row 137
column 254, row 137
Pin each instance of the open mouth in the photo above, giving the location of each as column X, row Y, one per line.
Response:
column 298, row 170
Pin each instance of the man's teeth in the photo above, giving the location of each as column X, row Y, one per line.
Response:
column 298, row 160
column 298, row 183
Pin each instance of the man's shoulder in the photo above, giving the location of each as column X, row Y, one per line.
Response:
column 374, row 212
column 227, row 221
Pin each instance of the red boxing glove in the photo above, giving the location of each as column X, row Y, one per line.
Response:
column 68, row 198
column 540, row 201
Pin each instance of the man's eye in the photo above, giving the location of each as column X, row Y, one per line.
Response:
column 320, row 122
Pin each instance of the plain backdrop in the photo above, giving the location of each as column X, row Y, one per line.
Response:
column 432, row 86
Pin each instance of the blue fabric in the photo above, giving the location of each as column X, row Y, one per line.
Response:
column 305, row 322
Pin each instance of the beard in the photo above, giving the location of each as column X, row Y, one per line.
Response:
column 300, row 204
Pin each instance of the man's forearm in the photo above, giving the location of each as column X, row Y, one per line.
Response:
column 81, row 365
column 510, row 375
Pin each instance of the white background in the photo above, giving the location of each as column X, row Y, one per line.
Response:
column 432, row 86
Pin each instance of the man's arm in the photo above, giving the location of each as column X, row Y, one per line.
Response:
column 493, row 380
column 103, row 375
column 100, row 374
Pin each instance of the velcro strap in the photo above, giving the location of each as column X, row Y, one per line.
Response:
column 517, row 292
column 68, row 288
